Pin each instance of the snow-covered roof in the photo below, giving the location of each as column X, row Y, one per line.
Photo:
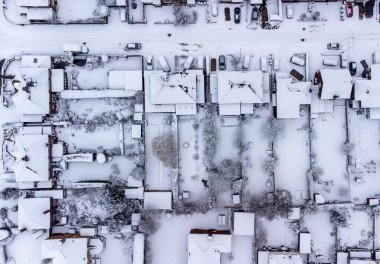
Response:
column 206, row 248
column 158, row 200
column 134, row 193
column 65, row 250
column 176, row 92
column 341, row 257
column 290, row 96
column 57, row 80
column 36, row 61
column 136, row 131
column 138, row 248
column 240, row 87
column 33, row 3
column 127, row 80
column 34, row 213
column 32, row 158
column 33, row 85
column 244, row 224
column 319, row 106
column 39, row 13
column 368, row 91
column 337, row 83
column 305, row 243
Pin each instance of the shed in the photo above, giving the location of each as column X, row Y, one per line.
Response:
column 138, row 248
column 158, row 200
column 244, row 224
column 305, row 243
column 136, row 131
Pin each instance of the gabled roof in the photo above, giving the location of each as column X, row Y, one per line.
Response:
column 66, row 251
column 206, row 249
column 368, row 91
column 240, row 87
column 177, row 88
column 33, row 95
column 290, row 96
column 337, row 84
column 33, row 213
column 32, row 158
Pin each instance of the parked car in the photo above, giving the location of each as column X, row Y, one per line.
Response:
column 227, row 14
column 214, row 9
column 263, row 64
column 369, row 6
column 296, row 74
column 237, row 15
column 333, row 46
column 123, row 14
column 349, row 10
column 330, row 62
column 276, row 64
column 289, row 11
column 255, row 14
column 222, row 63
column 246, row 61
column 164, row 64
column 213, row 64
column 297, row 60
column 133, row 46
column 343, row 60
column 188, row 62
column 352, row 68
column 149, row 62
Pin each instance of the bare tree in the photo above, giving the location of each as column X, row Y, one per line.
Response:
column 347, row 148
column 270, row 164
column 138, row 173
column 272, row 129
column 165, row 148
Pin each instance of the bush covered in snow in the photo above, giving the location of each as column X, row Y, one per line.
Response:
column 315, row 173
column 347, row 148
column 165, row 148
column 270, row 164
column 210, row 135
column 138, row 173
column 9, row 193
column 339, row 218
column 149, row 222
column 269, row 205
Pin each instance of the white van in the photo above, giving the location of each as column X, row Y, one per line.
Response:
column 188, row 62
column 164, row 64
column 263, row 64
column 214, row 9
column 200, row 62
column 276, row 64
column 246, row 61
column 297, row 61
column 123, row 14
column 289, row 11
column 330, row 62
column 75, row 48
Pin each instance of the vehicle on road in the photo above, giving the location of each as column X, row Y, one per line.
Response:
column 330, row 62
column 237, row 15
column 297, row 60
column 296, row 75
column 75, row 48
column 264, row 64
column 227, row 14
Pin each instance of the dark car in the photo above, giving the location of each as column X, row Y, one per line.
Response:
column 237, row 15
column 352, row 67
column 333, row 46
column 369, row 5
column 222, row 62
column 255, row 14
column 349, row 10
column 227, row 15
column 296, row 74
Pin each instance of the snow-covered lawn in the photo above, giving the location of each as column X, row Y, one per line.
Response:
column 292, row 150
column 257, row 177
column 330, row 135
column 365, row 135
column 158, row 176
column 359, row 231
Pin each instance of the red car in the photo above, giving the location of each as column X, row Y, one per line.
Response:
column 349, row 10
